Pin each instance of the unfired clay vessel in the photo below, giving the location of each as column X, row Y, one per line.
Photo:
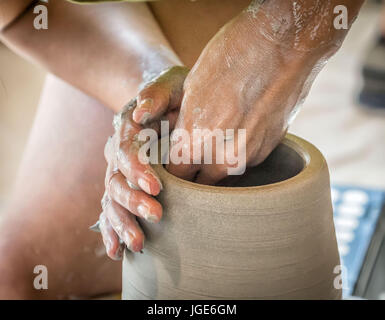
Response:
column 271, row 236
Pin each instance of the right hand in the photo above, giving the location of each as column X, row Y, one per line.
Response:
column 130, row 184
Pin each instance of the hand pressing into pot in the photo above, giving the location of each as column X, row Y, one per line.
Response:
column 130, row 184
column 250, row 76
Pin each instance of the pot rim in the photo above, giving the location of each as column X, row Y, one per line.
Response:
column 313, row 161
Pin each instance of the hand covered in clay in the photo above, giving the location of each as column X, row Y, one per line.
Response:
column 129, row 183
column 248, row 78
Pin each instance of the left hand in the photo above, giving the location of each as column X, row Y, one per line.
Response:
column 130, row 184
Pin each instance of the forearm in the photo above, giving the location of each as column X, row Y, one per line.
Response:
column 10, row 10
column 303, row 36
column 302, row 25
column 106, row 50
column 275, row 51
column 295, row 38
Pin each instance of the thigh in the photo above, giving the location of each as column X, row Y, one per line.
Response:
column 56, row 198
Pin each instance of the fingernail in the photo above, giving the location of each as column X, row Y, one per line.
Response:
column 145, row 117
column 156, row 178
column 146, row 103
column 127, row 240
column 95, row 227
column 146, row 214
column 144, row 185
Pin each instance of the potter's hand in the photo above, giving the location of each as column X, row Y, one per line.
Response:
column 129, row 183
column 253, row 75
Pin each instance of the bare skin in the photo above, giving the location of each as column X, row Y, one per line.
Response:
column 56, row 198
column 239, row 52
column 118, row 48
column 257, row 76
column 70, row 203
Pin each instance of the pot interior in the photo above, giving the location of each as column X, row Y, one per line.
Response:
column 282, row 164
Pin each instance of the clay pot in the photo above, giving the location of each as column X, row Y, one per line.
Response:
column 271, row 236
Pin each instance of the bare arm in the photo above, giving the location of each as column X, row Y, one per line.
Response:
column 109, row 51
column 10, row 10
column 106, row 50
column 304, row 25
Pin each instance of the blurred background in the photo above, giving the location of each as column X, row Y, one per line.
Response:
column 351, row 136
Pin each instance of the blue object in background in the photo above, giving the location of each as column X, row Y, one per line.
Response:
column 356, row 212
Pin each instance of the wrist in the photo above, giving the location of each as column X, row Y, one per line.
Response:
column 155, row 61
column 135, row 77
column 303, row 26
column 260, row 40
column 272, row 67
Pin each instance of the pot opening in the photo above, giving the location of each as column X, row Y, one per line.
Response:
column 282, row 164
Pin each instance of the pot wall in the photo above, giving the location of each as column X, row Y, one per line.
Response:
column 275, row 241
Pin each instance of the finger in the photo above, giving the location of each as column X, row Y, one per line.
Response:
column 111, row 241
column 125, row 225
column 164, row 93
column 183, row 171
column 127, row 161
column 135, row 201
column 172, row 117
column 226, row 158
column 136, row 171
column 153, row 102
column 211, row 174
column 229, row 164
column 181, row 163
